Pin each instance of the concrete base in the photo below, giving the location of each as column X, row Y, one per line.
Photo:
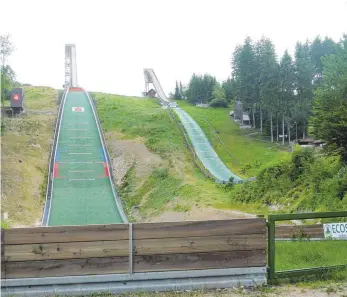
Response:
column 137, row 282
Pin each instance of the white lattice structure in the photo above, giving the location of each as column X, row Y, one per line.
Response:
column 70, row 66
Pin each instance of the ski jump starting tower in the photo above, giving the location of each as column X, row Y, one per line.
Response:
column 70, row 66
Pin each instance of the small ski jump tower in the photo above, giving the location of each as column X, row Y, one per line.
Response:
column 70, row 66
column 148, row 80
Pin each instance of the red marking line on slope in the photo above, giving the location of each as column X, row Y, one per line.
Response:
column 106, row 169
column 76, row 90
column 55, row 170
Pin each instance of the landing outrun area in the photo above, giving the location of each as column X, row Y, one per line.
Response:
column 82, row 192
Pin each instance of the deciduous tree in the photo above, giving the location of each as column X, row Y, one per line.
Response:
column 7, row 74
column 329, row 120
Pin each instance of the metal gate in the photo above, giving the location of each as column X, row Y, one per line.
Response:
column 272, row 219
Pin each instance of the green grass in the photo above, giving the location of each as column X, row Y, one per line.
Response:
column 25, row 144
column 308, row 254
column 178, row 179
column 135, row 117
column 39, row 98
column 248, row 156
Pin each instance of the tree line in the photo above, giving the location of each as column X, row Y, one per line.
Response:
column 279, row 91
column 279, row 94
column 205, row 89
column 8, row 76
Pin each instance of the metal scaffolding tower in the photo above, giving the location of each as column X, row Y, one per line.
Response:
column 70, row 66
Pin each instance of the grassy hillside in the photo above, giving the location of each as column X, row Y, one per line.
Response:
column 162, row 179
column 154, row 170
column 173, row 185
column 25, row 144
column 246, row 156
column 288, row 182
column 292, row 182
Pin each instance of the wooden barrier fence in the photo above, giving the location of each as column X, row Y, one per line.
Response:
column 315, row 231
column 131, row 248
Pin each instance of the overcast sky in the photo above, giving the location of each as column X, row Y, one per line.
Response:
column 116, row 39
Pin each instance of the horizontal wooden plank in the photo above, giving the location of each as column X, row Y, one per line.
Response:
column 67, row 267
column 142, row 230
column 67, row 234
column 234, row 259
column 199, row 228
column 199, row 244
column 109, row 265
column 32, row 252
column 312, row 231
column 65, row 250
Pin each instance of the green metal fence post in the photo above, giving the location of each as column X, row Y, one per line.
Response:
column 271, row 248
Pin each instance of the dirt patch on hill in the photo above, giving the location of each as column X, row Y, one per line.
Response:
column 128, row 153
column 192, row 214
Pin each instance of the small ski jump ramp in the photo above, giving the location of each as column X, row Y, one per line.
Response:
column 201, row 145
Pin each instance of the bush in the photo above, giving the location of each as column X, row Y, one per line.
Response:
column 301, row 182
column 161, row 173
column 219, row 103
column 300, row 159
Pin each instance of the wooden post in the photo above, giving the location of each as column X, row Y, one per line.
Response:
column 3, row 263
column 131, row 248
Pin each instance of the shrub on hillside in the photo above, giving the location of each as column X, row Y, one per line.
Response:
column 161, row 173
column 301, row 158
column 219, row 103
column 302, row 182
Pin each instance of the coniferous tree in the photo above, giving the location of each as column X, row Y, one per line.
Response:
column 320, row 48
column 244, row 74
column 267, row 80
column 200, row 88
column 181, row 90
column 177, row 94
column 228, row 87
column 208, row 83
column 303, row 84
column 193, row 89
column 286, row 84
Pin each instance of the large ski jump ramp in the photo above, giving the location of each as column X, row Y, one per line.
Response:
column 201, row 145
column 81, row 190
